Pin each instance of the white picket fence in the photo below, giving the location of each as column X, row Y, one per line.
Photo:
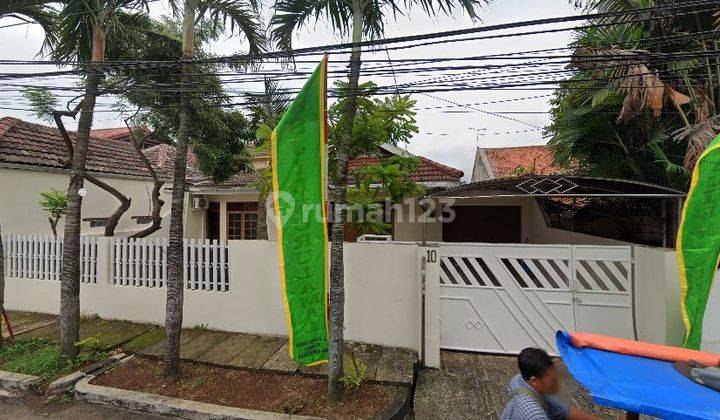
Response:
column 133, row 262
column 39, row 257
column 143, row 263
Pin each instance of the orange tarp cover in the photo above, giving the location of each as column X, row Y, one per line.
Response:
column 643, row 349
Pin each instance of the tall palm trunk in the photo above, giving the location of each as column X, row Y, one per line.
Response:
column 174, row 303
column 337, row 275
column 2, row 282
column 262, row 229
column 70, row 275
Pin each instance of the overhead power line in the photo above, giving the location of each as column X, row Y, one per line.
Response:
column 334, row 48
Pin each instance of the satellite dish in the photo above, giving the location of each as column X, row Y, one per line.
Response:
column 82, row 192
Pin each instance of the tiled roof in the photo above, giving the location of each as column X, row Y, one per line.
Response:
column 428, row 170
column 122, row 133
column 509, row 161
column 162, row 158
column 26, row 143
column 242, row 179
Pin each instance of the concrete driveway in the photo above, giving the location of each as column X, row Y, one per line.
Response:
column 474, row 386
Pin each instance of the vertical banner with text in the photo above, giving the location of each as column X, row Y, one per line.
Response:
column 698, row 242
column 299, row 179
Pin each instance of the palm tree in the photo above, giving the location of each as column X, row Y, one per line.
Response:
column 631, row 110
column 363, row 19
column 31, row 11
column 81, row 29
column 242, row 16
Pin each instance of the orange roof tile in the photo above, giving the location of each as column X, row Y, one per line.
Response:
column 508, row 161
column 428, row 170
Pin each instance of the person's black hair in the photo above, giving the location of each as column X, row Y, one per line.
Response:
column 533, row 362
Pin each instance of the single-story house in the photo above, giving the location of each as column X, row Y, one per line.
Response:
column 31, row 157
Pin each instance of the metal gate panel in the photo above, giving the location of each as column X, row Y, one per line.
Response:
column 501, row 298
column 498, row 298
column 603, row 290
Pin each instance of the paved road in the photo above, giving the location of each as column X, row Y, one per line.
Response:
column 474, row 386
column 34, row 407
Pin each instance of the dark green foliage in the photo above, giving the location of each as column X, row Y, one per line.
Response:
column 42, row 101
column 602, row 120
column 217, row 134
column 292, row 15
column 377, row 122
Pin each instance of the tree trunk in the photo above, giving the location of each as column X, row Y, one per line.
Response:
column 70, row 274
column 337, row 266
column 114, row 218
column 2, row 282
column 262, row 231
column 174, row 303
column 53, row 226
column 157, row 203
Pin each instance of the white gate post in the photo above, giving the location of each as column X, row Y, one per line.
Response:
column 104, row 260
column 429, row 271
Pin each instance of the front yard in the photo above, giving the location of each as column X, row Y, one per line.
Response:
column 252, row 389
column 36, row 351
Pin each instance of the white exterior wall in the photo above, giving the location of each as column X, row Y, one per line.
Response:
column 382, row 295
column 657, row 296
column 195, row 225
column 21, row 213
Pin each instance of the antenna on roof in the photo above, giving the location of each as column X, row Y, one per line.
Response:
column 477, row 134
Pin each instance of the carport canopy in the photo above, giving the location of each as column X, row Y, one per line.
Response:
column 619, row 209
column 559, row 186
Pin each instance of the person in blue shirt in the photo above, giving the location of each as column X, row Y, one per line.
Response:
column 532, row 392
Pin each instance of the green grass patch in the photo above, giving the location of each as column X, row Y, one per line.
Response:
column 41, row 357
column 144, row 340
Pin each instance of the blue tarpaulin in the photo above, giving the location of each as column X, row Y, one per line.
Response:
column 638, row 384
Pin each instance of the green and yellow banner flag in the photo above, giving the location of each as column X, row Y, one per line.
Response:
column 698, row 242
column 299, row 190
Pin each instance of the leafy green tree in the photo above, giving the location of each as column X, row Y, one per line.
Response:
column 238, row 16
column 55, row 203
column 42, row 101
column 631, row 110
column 387, row 181
column 218, row 133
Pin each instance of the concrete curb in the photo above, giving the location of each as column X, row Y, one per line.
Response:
column 15, row 381
column 64, row 384
column 169, row 406
column 67, row 382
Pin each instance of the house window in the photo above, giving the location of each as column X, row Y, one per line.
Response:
column 96, row 222
column 142, row 220
column 242, row 220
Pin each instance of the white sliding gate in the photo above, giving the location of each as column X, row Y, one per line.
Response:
column 501, row 298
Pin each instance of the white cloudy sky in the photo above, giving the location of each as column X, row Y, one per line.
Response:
column 447, row 137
